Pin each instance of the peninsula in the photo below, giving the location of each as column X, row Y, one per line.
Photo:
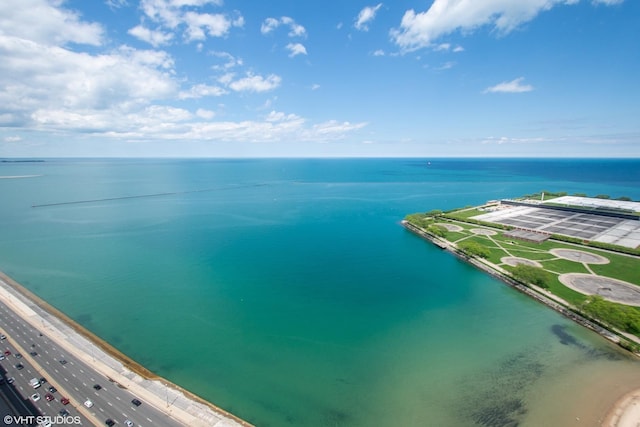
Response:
column 578, row 255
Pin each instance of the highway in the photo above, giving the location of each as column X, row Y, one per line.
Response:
column 71, row 377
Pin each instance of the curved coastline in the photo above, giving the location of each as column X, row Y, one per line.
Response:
column 625, row 412
column 200, row 411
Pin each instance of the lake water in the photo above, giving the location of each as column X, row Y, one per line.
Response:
column 285, row 290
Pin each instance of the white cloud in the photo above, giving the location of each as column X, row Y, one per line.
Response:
column 269, row 25
column 174, row 15
column 126, row 93
column 154, row 38
column 315, row 86
column 296, row 49
column 255, row 83
column 514, row 86
column 232, row 61
column 378, row 52
column 199, row 25
column 365, row 16
column 458, row 49
column 422, row 29
column 295, row 29
column 42, row 22
column 205, row 114
column 201, row 90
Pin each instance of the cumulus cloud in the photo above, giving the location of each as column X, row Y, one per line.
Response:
column 271, row 24
column 255, row 83
column 365, row 16
column 42, row 22
column 202, row 90
column 154, row 38
column 296, row 49
column 182, row 15
column 120, row 92
column 423, row 29
column 514, row 86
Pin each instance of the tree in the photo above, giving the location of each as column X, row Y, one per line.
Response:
column 474, row 249
column 621, row 316
column 533, row 275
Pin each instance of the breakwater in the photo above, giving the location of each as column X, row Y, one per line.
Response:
column 494, row 271
column 142, row 196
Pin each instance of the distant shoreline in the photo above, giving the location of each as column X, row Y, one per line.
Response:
column 128, row 363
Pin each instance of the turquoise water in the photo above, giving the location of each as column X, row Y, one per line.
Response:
column 286, row 292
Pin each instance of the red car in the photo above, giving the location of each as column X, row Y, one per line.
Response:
column 64, row 401
column 49, row 397
column 7, row 353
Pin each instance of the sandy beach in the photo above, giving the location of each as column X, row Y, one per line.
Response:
column 186, row 408
column 626, row 412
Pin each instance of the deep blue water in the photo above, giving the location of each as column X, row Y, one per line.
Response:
column 285, row 290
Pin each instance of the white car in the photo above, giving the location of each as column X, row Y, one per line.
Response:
column 128, row 423
column 2, row 357
column 35, row 397
column 88, row 403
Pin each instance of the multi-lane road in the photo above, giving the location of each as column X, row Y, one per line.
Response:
column 41, row 357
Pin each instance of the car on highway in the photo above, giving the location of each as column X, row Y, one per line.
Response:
column 7, row 352
column 18, row 356
column 63, row 362
column 3, row 337
column 19, row 366
column 64, row 401
column 88, row 403
column 110, row 422
column 10, row 380
column 2, row 357
column 97, row 386
column 35, row 397
column 128, row 423
column 63, row 412
column 49, row 397
column 33, row 353
column 43, row 380
column 136, row 402
column 52, row 389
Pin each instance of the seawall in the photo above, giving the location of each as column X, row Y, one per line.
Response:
column 494, row 271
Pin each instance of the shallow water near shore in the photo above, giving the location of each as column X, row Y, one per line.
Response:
column 286, row 292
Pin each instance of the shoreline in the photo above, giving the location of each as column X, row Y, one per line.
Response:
column 625, row 412
column 188, row 408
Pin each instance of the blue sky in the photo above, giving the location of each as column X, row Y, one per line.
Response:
column 280, row 78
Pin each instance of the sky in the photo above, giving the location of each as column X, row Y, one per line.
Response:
column 308, row 78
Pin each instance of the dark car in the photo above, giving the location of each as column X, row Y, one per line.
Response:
column 63, row 362
column 136, row 402
column 52, row 389
column 43, row 380
column 63, row 412
column 33, row 353
column 18, row 356
column 97, row 386
column 19, row 366
column 110, row 422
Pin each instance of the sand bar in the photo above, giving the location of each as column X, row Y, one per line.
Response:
column 186, row 408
